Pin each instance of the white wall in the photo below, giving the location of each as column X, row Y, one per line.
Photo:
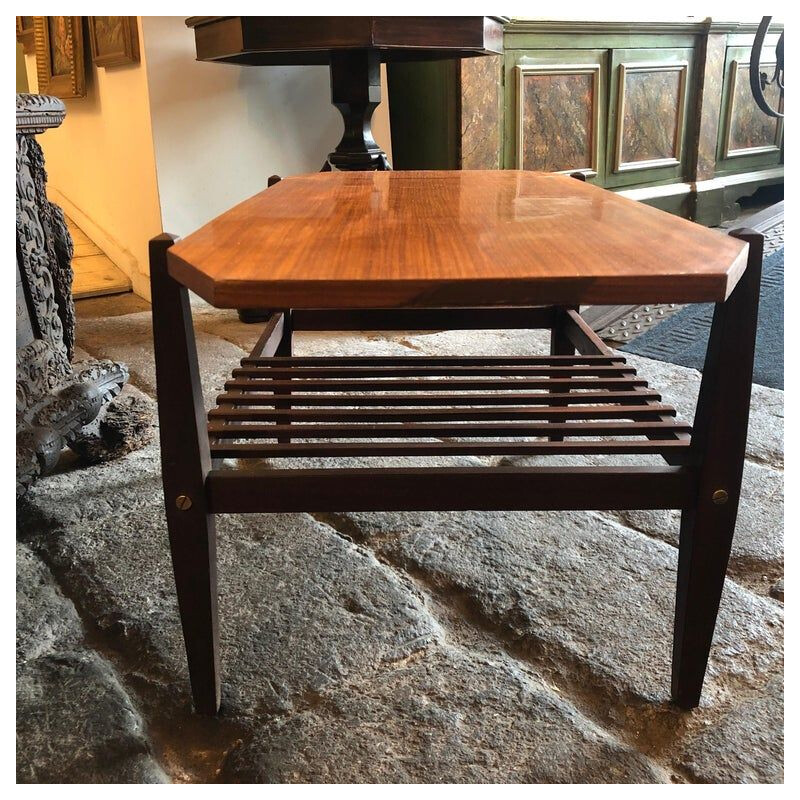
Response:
column 220, row 130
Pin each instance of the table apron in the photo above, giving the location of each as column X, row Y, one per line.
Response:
column 450, row 489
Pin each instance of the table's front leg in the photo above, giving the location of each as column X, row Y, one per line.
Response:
column 718, row 440
column 185, row 463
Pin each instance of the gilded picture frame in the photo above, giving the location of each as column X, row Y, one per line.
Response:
column 60, row 64
column 25, row 33
column 114, row 41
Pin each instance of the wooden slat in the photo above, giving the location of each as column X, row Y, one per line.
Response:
column 387, row 400
column 369, row 449
column 450, row 489
column 432, row 414
column 678, row 436
column 224, row 430
column 433, row 361
column 461, row 384
column 278, row 373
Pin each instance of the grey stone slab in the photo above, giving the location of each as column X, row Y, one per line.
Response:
column 300, row 606
column 679, row 387
column 744, row 746
column 46, row 620
column 446, row 716
column 348, row 343
column 215, row 356
column 101, row 332
column 82, row 493
column 592, row 599
column 225, row 323
column 478, row 343
column 757, row 552
column 76, row 724
column 129, row 339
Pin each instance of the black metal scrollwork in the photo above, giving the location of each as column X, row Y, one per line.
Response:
column 758, row 79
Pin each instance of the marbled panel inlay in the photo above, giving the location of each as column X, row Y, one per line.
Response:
column 709, row 103
column 750, row 126
column 481, row 82
column 650, row 118
column 557, row 121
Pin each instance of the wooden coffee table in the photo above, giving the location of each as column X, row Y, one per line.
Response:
column 449, row 250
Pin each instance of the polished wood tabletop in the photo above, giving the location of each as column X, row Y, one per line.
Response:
column 450, row 238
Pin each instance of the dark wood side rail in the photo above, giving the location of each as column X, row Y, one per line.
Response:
column 454, row 489
column 422, row 319
column 582, row 337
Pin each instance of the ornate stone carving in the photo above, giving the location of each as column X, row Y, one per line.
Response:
column 53, row 403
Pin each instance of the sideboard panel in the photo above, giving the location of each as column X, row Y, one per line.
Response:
column 659, row 110
column 557, row 115
column 747, row 131
column 648, row 121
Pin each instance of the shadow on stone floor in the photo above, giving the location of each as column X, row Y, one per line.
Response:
column 388, row 647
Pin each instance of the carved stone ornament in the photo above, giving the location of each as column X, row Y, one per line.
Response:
column 53, row 402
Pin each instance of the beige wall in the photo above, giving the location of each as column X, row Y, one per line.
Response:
column 101, row 165
column 220, row 130
column 170, row 143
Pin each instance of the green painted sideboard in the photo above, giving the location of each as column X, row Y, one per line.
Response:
column 661, row 111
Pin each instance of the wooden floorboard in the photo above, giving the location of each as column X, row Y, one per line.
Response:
column 95, row 274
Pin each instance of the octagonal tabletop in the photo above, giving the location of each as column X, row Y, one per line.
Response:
column 437, row 239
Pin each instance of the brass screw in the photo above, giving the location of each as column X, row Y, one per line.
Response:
column 184, row 502
column 720, row 497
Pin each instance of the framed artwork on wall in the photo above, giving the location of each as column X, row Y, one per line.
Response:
column 114, row 41
column 59, row 56
column 25, row 33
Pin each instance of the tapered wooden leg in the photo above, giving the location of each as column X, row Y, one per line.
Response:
column 719, row 439
column 185, row 462
column 560, row 345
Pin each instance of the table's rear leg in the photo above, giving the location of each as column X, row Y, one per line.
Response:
column 185, row 462
column 560, row 345
column 719, row 439
column 284, row 348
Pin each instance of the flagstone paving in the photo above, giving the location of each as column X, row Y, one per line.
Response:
column 414, row 647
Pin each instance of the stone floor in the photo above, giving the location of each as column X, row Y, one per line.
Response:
column 418, row 647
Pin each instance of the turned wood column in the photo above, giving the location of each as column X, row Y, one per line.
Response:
column 356, row 92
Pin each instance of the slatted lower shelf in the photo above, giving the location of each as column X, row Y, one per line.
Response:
column 433, row 406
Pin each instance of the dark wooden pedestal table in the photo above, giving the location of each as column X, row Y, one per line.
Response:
column 353, row 48
column 450, row 250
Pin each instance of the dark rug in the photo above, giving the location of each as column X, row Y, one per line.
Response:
column 682, row 339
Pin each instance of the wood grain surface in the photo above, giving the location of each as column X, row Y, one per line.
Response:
column 451, row 238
